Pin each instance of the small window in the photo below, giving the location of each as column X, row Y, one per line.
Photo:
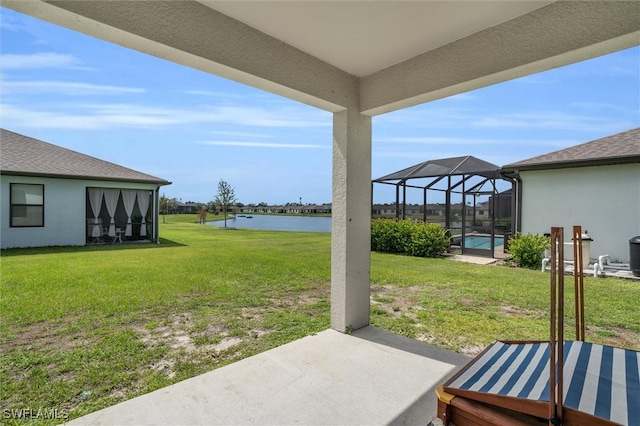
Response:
column 27, row 205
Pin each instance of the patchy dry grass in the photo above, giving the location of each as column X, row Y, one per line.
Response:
column 464, row 307
column 83, row 328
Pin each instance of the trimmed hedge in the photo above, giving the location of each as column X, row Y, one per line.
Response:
column 408, row 237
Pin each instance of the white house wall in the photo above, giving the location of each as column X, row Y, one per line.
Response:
column 604, row 200
column 64, row 211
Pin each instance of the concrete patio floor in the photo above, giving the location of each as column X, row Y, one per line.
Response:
column 371, row 377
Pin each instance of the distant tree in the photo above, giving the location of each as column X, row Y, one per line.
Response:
column 262, row 204
column 202, row 214
column 166, row 205
column 225, row 198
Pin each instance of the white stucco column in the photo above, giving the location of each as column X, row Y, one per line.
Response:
column 351, row 220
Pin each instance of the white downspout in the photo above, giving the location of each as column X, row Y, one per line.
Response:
column 156, row 227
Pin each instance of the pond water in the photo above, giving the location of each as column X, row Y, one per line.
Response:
column 278, row 223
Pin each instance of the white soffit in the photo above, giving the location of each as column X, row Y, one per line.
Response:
column 362, row 37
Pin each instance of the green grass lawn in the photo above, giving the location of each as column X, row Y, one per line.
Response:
column 83, row 328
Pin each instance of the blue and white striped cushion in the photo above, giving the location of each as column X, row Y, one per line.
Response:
column 599, row 380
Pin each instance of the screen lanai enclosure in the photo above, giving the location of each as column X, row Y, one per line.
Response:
column 468, row 196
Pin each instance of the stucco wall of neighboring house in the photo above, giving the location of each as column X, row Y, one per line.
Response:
column 64, row 211
column 604, row 200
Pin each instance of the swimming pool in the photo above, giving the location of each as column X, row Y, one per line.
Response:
column 482, row 242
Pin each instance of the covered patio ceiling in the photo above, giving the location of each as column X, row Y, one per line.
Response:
column 356, row 59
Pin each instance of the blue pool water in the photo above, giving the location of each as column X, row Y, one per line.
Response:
column 482, row 242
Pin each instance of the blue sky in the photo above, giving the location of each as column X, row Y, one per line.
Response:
column 194, row 129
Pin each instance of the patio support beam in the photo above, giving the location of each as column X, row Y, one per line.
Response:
column 561, row 33
column 351, row 220
column 189, row 33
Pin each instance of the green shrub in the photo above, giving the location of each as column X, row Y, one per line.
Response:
column 390, row 236
column 428, row 240
column 408, row 237
column 527, row 249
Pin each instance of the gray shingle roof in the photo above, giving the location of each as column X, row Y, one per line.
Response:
column 22, row 155
column 620, row 148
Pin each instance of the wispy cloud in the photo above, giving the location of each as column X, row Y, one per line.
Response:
column 65, row 88
column 416, row 156
column 91, row 117
column 241, row 134
column 213, row 94
column 114, row 115
column 19, row 117
column 269, row 117
column 265, row 145
column 554, row 120
column 437, row 140
column 39, row 31
column 597, row 107
column 426, row 116
column 38, row 60
column 586, row 118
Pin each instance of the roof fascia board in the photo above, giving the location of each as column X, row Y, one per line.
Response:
column 208, row 40
column 158, row 182
column 572, row 164
column 555, row 35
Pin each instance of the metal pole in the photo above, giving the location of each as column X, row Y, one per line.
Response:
column 397, row 201
column 578, row 279
column 556, row 335
column 474, row 209
column 404, row 201
column 424, row 206
column 372, row 203
column 447, row 207
column 493, row 217
column 560, row 343
column 464, row 216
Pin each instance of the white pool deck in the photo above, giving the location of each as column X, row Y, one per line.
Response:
column 371, row 377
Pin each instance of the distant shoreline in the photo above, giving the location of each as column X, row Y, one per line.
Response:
column 282, row 214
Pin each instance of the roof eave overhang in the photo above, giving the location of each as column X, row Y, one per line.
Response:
column 159, row 182
column 572, row 164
